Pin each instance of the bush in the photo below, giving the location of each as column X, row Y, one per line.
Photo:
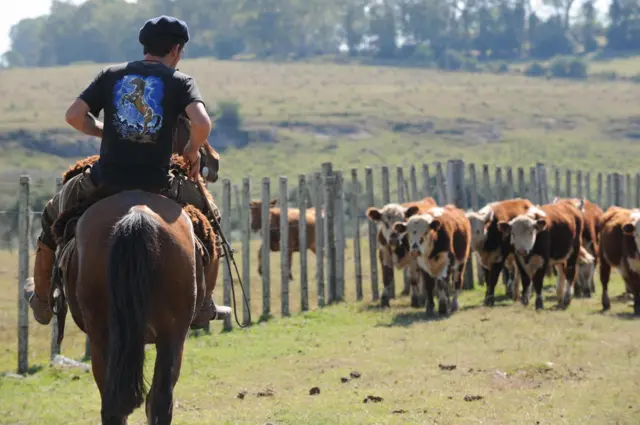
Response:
column 567, row 67
column 535, row 70
column 451, row 60
column 228, row 115
column 424, row 54
column 470, row 64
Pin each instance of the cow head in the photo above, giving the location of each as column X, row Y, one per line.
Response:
column 631, row 227
column 255, row 210
column 523, row 229
column 420, row 231
column 479, row 222
column 387, row 216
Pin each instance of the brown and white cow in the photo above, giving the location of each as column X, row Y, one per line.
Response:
column 510, row 273
column 393, row 250
column 592, row 215
column 493, row 246
column 547, row 235
column 293, row 218
column 619, row 248
column 441, row 241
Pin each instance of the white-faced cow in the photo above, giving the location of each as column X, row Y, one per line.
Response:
column 493, row 246
column 547, row 235
column 440, row 239
column 393, row 250
column 592, row 215
column 619, row 243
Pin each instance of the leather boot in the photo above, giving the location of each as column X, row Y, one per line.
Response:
column 210, row 311
column 36, row 288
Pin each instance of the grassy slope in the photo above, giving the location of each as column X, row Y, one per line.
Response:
column 496, row 119
column 562, row 367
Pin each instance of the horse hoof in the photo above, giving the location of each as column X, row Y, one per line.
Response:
column 454, row 306
column 539, row 304
column 524, row 300
column 489, row 301
column 384, row 301
column 510, row 294
column 442, row 309
column 606, row 304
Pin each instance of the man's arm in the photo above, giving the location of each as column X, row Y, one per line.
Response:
column 78, row 117
column 197, row 114
column 91, row 100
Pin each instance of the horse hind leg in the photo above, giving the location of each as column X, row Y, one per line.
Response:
column 159, row 404
column 98, row 367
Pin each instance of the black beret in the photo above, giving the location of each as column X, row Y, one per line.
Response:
column 163, row 28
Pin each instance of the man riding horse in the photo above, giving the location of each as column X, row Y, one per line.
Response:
column 135, row 153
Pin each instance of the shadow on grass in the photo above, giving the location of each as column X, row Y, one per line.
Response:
column 409, row 318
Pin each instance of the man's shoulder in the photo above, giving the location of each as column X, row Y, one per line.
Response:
column 182, row 75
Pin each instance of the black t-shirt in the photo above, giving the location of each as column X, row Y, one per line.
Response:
column 141, row 102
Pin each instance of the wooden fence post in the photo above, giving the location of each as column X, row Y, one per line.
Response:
column 499, row 188
column 609, row 190
column 522, row 185
column 373, row 263
column 245, row 227
column 302, row 237
column 413, row 181
column 330, row 245
column 55, row 347
column 402, row 198
column 24, row 222
column 440, row 184
column 321, row 217
column 556, row 173
column 226, row 229
column 285, row 267
column 265, row 249
column 456, row 195
column 474, row 205
column 579, row 188
column 587, row 185
column 568, row 185
column 599, row 189
column 486, row 185
column 637, row 205
column 339, row 233
column 510, row 186
column 386, row 198
column 355, row 216
column 543, row 188
column 533, row 192
column 627, row 191
column 426, row 183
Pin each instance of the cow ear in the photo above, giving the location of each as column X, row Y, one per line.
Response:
column 400, row 228
column 411, row 211
column 435, row 225
column 273, row 202
column 541, row 223
column 628, row 228
column 504, row 226
column 374, row 214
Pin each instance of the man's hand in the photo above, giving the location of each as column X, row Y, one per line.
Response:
column 192, row 155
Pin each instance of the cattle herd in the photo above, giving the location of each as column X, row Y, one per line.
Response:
column 568, row 237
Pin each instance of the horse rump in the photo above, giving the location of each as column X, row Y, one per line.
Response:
column 133, row 254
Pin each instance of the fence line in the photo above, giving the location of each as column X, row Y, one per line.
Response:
column 338, row 209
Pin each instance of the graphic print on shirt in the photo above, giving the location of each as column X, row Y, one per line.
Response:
column 138, row 107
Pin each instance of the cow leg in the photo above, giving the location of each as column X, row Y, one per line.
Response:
column 443, row 296
column 605, row 273
column 560, row 268
column 526, row 283
column 406, row 290
column 481, row 272
column 570, row 274
column 492, row 279
column 260, row 260
column 634, row 280
column 457, row 285
column 387, row 280
column 414, row 278
column 538, row 281
column 506, row 279
column 290, row 265
column 428, row 285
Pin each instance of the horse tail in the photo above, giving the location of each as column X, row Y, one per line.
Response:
column 132, row 257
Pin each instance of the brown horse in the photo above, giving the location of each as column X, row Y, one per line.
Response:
column 123, row 293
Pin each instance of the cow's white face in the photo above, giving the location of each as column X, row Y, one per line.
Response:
column 478, row 221
column 632, row 226
column 386, row 217
column 523, row 230
column 418, row 231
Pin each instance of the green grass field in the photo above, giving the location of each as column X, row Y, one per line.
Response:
column 357, row 116
column 550, row 367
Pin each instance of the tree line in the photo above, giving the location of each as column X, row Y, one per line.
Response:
column 421, row 30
